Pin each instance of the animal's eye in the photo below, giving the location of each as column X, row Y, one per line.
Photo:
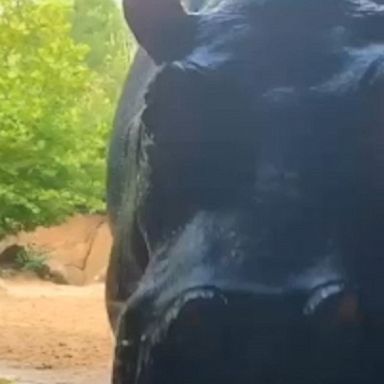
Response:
column 173, row 103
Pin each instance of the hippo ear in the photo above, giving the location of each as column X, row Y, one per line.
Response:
column 161, row 27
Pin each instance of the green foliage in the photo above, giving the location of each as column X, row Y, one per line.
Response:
column 30, row 259
column 56, row 105
column 99, row 24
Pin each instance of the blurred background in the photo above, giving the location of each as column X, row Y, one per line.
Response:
column 62, row 67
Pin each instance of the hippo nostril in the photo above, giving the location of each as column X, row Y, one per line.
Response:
column 197, row 320
column 349, row 311
column 322, row 294
column 191, row 348
column 335, row 304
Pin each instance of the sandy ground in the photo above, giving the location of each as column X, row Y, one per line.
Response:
column 52, row 334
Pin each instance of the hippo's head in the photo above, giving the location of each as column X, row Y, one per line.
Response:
column 262, row 224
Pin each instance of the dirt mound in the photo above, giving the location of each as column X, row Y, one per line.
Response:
column 77, row 251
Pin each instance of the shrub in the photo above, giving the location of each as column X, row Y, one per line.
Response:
column 55, row 113
column 30, row 259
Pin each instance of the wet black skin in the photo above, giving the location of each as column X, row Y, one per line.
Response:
column 246, row 195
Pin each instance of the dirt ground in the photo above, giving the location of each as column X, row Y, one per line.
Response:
column 52, row 334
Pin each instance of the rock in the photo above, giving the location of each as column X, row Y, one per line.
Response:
column 98, row 256
column 69, row 242
column 64, row 274
column 9, row 249
column 101, row 277
column 77, row 251
column 75, row 275
column 56, row 271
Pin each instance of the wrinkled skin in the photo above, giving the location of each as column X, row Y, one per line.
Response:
column 246, row 195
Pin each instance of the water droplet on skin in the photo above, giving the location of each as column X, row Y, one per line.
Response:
column 126, row 343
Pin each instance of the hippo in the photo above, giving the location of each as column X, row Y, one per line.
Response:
column 246, row 194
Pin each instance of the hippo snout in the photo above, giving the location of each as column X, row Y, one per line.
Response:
column 209, row 336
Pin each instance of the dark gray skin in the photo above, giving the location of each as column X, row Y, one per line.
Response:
column 246, row 184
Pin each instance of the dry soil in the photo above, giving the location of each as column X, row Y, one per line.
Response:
column 52, row 334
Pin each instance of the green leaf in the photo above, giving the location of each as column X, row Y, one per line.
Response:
column 61, row 69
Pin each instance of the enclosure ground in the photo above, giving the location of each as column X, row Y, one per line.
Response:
column 53, row 334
